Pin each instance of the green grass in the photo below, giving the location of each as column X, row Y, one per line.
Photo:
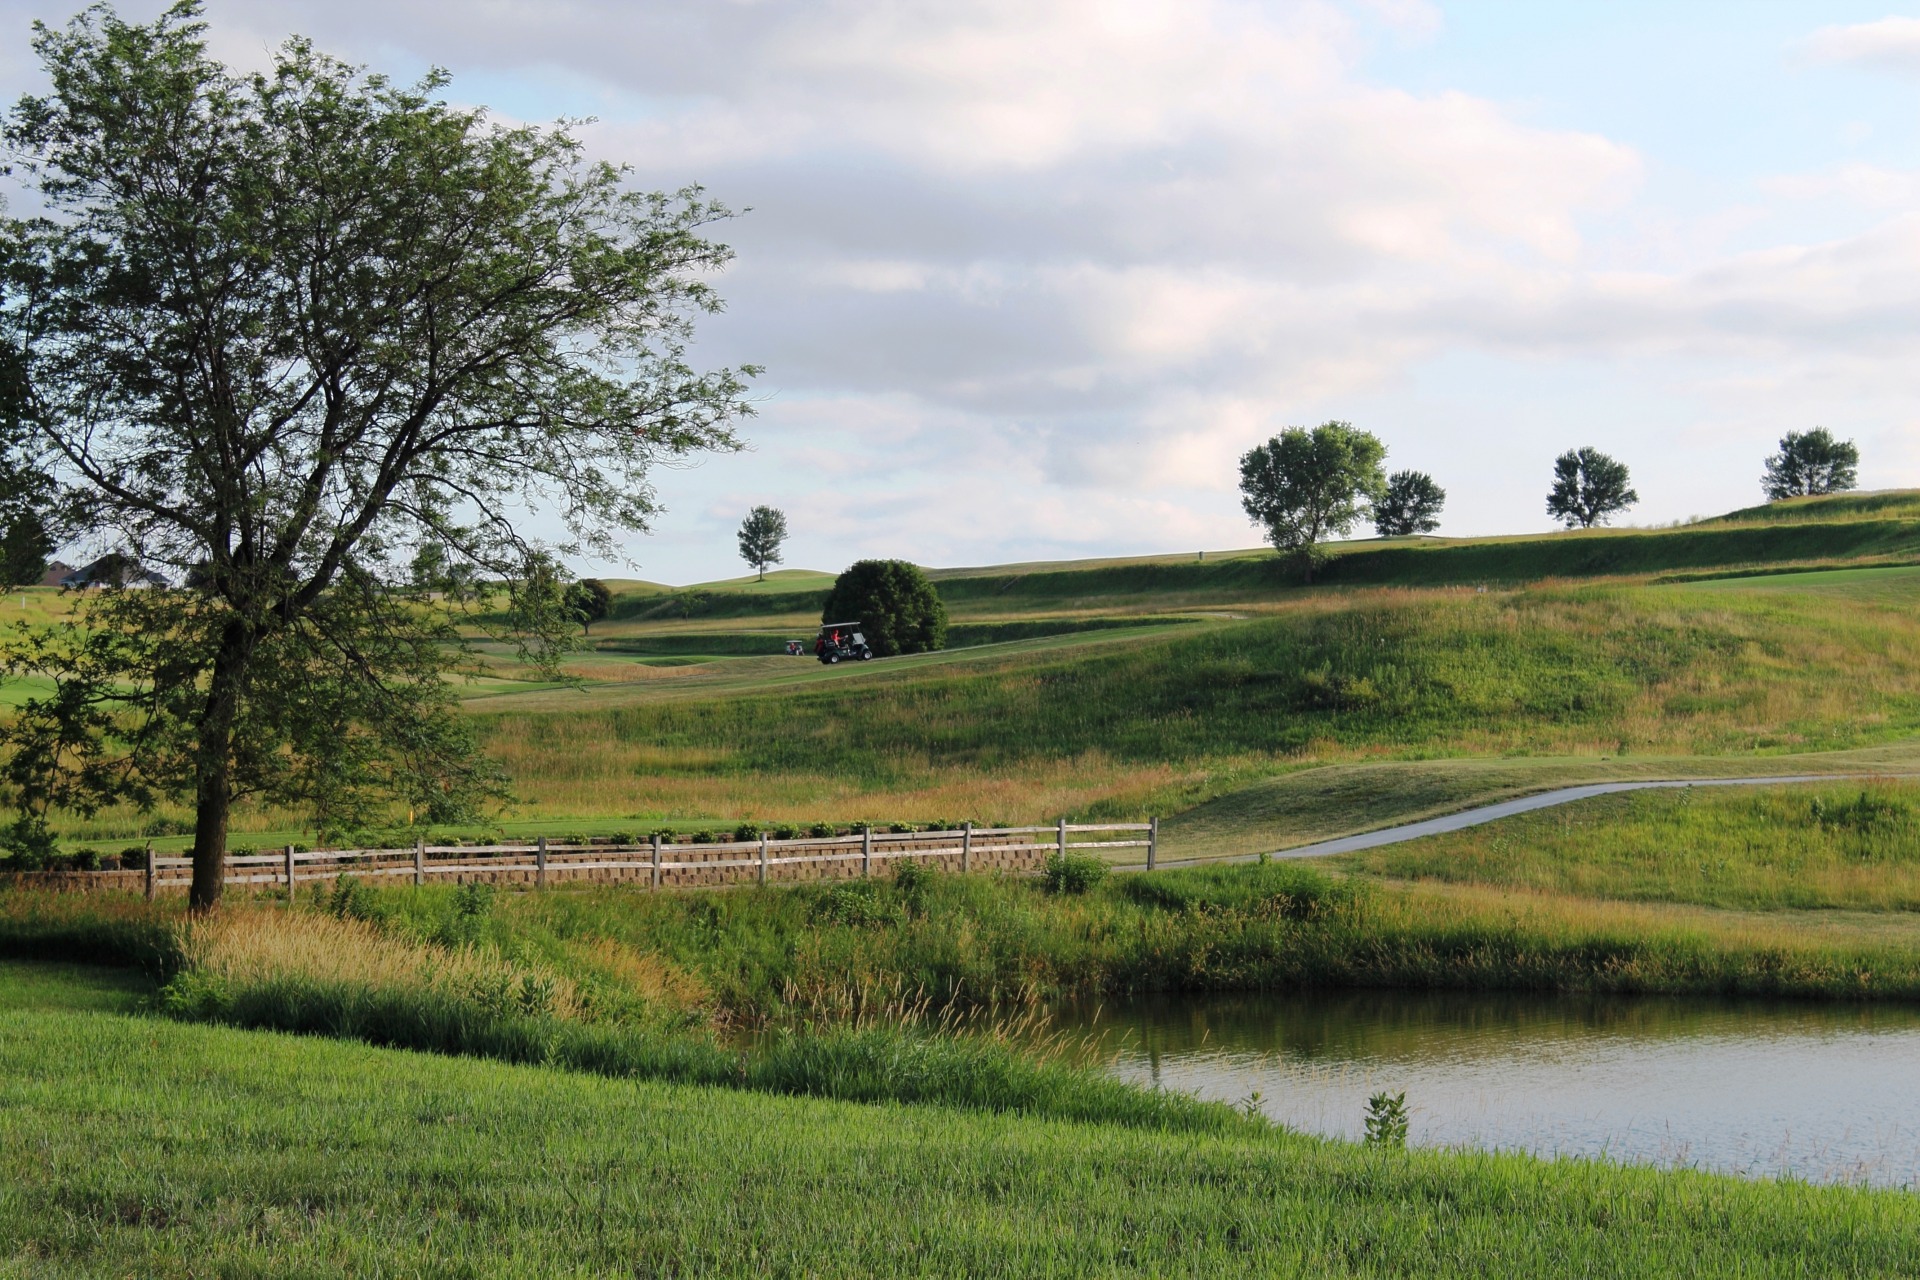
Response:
column 1847, row 846
column 137, row 1147
column 1844, row 527
column 49, row 987
column 1161, row 722
column 1872, row 505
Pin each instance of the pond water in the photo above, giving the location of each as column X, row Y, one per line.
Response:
column 1821, row 1092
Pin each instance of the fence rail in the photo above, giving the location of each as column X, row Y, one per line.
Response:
column 544, row 861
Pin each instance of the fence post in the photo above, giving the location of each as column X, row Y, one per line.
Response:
column 866, row 851
column 289, row 871
column 966, row 847
column 149, row 871
column 1153, row 841
column 540, row 864
column 763, row 857
column 1063, row 839
column 656, row 859
column 419, row 860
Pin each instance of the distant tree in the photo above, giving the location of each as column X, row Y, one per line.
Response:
column 1588, row 487
column 1809, row 463
column 25, row 547
column 1411, row 505
column 1303, row 486
column 761, row 534
column 897, row 607
column 590, row 600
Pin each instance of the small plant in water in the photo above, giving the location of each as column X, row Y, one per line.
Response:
column 1387, row 1119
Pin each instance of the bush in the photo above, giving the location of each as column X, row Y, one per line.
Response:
column 1073, row 872
column 703, row 837
column 897, row 607
column 746, row 831
column 133, row 857
column 914, row 882
column 29, row 844
column 857, row 903
column 823, row 830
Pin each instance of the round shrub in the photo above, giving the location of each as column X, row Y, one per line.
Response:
column 897, row 607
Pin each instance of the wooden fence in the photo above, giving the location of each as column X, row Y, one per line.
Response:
column 661, row 864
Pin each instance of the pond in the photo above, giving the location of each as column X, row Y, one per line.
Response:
column 1827, row 1093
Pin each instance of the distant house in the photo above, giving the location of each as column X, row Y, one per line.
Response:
column 54, row 573
column 113, row 570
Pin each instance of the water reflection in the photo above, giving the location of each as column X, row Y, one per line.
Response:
column 1822, row 1092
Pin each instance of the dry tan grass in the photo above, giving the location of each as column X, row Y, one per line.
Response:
column 265, row 945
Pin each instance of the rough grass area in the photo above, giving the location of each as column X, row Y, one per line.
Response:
column 1852, row 846
column 140, row 1147
column 1153, row 726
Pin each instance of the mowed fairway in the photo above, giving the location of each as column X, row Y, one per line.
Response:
column 184, row 1150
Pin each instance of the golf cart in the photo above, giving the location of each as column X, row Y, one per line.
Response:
column 840, row 642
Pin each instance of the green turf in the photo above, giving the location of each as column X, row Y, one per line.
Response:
column 137, row 1147
column 1850, row 845
column 42, row 987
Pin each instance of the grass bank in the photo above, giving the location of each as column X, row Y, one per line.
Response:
column 1847, row 846
column 206, row 1150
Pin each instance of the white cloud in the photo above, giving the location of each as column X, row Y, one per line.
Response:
column 1079, row 255
column 1873, row 186
column 1891, row 44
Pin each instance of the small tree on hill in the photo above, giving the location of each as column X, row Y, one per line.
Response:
column 1303, row 486
column 1411, row 505
column 1811, row 463
column 761, row 534
column 897, row 607
column 1588, row 488
column 589, row 600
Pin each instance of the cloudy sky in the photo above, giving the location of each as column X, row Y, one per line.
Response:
column 1027, row 276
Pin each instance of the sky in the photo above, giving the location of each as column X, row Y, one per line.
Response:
column 1028, row 276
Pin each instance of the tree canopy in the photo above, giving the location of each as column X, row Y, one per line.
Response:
column 589, row 601
column 283, row 329
column 896, row 605
column 1410, row 505
column 1588, row 488
column 1811, row 463
column 761, row 534
column 1303, row 486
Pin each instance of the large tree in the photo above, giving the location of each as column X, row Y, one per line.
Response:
column 898, row 608
column 761, row 534
column 1304, row 486
column 1809, row 463
column 1410, row 505
column 284, row 329
column 1588, row 488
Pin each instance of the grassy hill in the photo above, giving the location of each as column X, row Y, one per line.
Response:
column 1172, row 684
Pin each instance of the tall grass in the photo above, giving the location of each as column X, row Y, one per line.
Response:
column 418, row 971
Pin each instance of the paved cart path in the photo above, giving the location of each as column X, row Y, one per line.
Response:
column 1505, row 809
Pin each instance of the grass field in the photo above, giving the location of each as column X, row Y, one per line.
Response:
column 1847, row 846
column 190, row 1150
column 1247, row 711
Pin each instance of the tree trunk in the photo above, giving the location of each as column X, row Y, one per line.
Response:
column 213, row 796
